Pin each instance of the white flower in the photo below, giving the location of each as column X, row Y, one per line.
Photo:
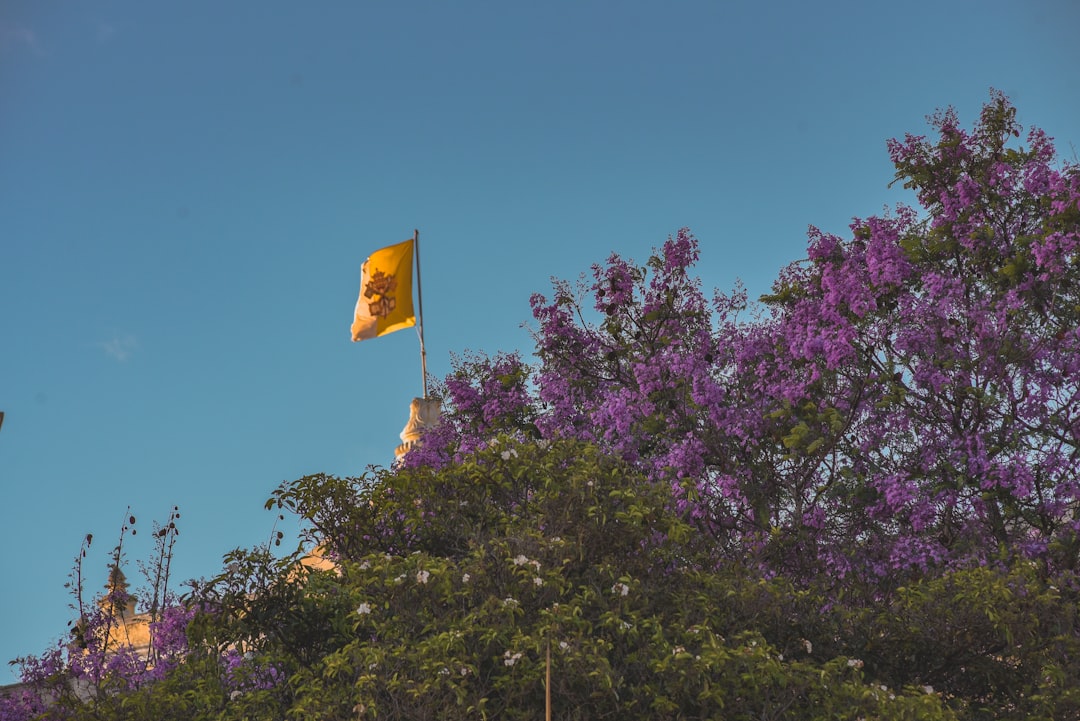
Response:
column 928, row 689
column 621, row 589
column 626, row 625
column 365, row 565
column 563, row 645
column 465, row 578
column 363, row 609
column 809, row 646
column 422, row 576
column 510, row 659
column 520, row 560
column 677, row 650
column 235, row 695
column 854, row 663
column 507, row 455
column 537, row 581
column 444, row 671
column 510, row 601
column 464, row 671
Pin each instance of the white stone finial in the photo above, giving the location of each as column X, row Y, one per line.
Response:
column 423, row 413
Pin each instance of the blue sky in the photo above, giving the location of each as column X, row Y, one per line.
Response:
column 187, row 191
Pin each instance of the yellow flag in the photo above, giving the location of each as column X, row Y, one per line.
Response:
column 385, row 304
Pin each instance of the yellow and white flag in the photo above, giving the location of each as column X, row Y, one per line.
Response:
column 385, row 304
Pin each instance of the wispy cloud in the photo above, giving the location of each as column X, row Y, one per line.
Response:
column 16, row 35
column 104, row 31
column 119, row 347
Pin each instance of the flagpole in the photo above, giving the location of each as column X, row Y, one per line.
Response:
column 420, row 308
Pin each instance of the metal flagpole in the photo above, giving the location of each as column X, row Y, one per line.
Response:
column 420, row 309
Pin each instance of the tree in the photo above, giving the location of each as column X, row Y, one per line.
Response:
column 454, row 584
column 857, row 498
column 907, row 399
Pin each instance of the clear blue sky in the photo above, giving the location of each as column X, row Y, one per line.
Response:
column 187, row 191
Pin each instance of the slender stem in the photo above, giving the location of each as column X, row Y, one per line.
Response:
column 547, row 684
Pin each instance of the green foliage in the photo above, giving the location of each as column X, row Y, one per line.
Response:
column 454, row 585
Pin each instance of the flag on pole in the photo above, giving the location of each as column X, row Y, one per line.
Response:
column 385, row 304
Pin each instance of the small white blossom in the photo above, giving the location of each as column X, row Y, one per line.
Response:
column 510, row 659
column 537, row 581
column 677, row 650
column 464, row 671
column 465, row 578
column 444, row 671
column 621, row 589
column 809, row 646
column 626, row 625
column 365, row 565
column 854, row 663
column 510, row 601
column 363, row 609
column 563, row 645
column 507, row 455
column 928, row 689
column 422, row 576
column 235, row 695
column 520, row 560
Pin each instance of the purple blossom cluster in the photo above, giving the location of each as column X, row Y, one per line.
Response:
column 98, row 659
column 906, row 397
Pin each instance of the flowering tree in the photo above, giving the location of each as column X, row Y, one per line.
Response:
column 454, row 586
column 908, row 398
column 857, row 498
